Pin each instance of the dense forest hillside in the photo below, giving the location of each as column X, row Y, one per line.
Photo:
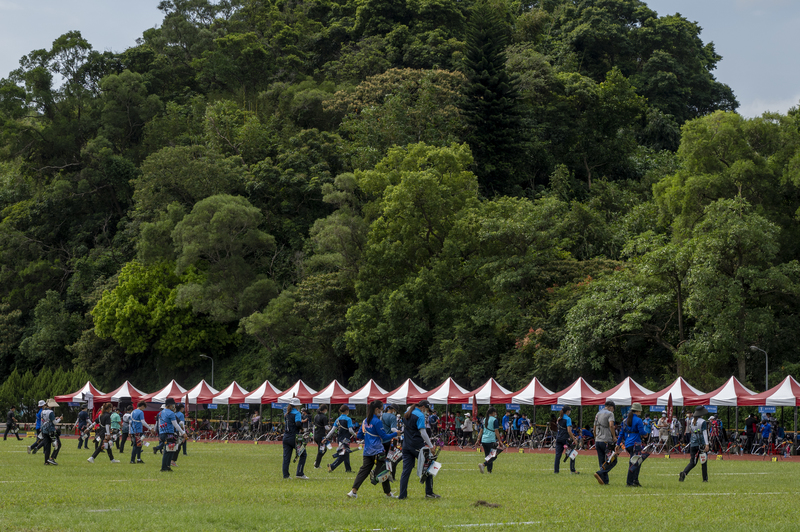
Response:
column 349, row 189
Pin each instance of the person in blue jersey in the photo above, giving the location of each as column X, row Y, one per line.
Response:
column 345, row 430
column 698, row 444
column 374, row 436
column 564, row 435
column 294, row 426
column 104, row 435
column 415, row 438
column 39, row 441
column 136, row 430
column 168, row 430
column 179, row 415
column 631, row 434
column 489, row 440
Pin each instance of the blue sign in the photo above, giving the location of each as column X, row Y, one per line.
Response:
column 313, row 405
column 767, row 409
column 512, row 406
column 712, row 409
column 351, row 406
column 212, row 407
column 555, row 408
column 278, row 406
column 245, row 406
column 466, row 407
column 73, row 404
column 659, row 408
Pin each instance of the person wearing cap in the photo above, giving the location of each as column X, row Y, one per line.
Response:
column 698, row 441
column 11, row 423
column 137, row 423
column 294, row 426
column 168, row 426
column 344, row 426
column 38, row 427
column 103, row 434
column 321, row 428
column 415, row 438
column 631, row 436
column 48, row 434
column 466, row 430
column 563, row 437
column 605, row 434
column 83, row 424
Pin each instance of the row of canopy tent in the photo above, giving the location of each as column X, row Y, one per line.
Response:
column 579, row 393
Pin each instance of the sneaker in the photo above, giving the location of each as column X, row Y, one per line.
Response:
column 599, row 479
column 33, row 451
column 316, row 467
column 481, row 467
column 352, row 495
column 637, row 484
column 114, row 461
column 391, row 496
column 90, row 460
column 329, row 469
column 173, row 463
column 575, row 472
column 139, row 461
column 133, row 463
column 167, row 470
column 681, row 477
column 301, row 477
column 154, row 452
column 432, row 496
column 29, row 449
column 705, row 481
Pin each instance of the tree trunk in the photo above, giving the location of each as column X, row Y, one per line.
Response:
column 742, row 367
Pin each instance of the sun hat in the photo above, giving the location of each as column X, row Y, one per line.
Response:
column 700, row 411
column 170, row 401
column 636, row 407
column 42, row 402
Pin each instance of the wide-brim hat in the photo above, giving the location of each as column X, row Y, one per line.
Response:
column 636, row 407
column 700, row 411
column 170, row 401
column 294, row 401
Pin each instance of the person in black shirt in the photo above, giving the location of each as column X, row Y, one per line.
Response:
column 104, row 435
column 750, row 432
column 11, row 423
column 321, row 428
column 564, row 435
column 82, row 423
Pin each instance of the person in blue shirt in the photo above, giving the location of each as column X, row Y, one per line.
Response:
column 490, row 438
column 39, row 441
column 294, row 426
column 345, row 428
column 137, row 423
column 374, row 436
column 415, row 438
column 82, row 424
column 506, row 422
column 182, row 422
column 631, row 434
column 168, row 426
column 563, row 437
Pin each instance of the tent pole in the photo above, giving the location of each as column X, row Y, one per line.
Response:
column 737, row 418
column 581, row 416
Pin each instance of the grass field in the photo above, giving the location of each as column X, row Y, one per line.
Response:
column 239, row 487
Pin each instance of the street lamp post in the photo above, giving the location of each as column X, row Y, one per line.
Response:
column 766, row 371
column 212, row 368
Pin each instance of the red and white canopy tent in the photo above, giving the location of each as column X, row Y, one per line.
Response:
column 173, row 390
column 576, row 394
column 334, row 394
column 533, row 394
column 406, row 394
column 368, row 393
column 448, row 393
column 81, row 396
column 729, row 394
column 787, row 393
column 232, row 395
column 299, row 390
column 489, row 393
column 202, row 394
column 680, row 390
column 126, row 391
column 625, row 393
column 265, row 394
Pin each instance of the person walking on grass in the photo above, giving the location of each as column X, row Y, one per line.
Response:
column 389, row 420
column 125, row 428
column 344, row 426
column 116, row 425
column 321, row 428
column 414, row 440
column 605, row 434
column 38, row 443
column 168, row 428
column 698, row 445
column 563, row 438
column 490, row 439
column 48, row 434
column 137, row 423
column 11, row 423
column 631, row 435
column 83, row 427
column 182, row 441
column 374, row 464
column 294, row 426
column 103, row 433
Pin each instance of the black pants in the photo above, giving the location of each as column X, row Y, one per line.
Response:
column 409, row 461
column 343, row 455
column 288, row 451
column 136, row 449
column 466, row 438
column 694, row 457
column 487, row 449
column 602, row 449
column 38, row 443
column 9, row 428
column 183, row 445
column 560, row 449
column 121, row 442
column 168, row 457
column 100, row 449
column 82, row 442
column 369, row 463
column 47, row 443
column 633, row 470
column 321, row 450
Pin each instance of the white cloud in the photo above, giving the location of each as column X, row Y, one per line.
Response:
column 6, row 5
column 758, row 106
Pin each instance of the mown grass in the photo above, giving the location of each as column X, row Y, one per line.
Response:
column 239, row 487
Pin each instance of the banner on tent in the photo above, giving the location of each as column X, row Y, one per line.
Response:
column 313, row 405
column 767, row 409
column 512, row 406
column 211, row 407
column 245, row 406
column 73, row 404
column 658, row 408
column 466, row 407
column 712, row 409
column 278, row 406
column 556, row 408
column 351, row 406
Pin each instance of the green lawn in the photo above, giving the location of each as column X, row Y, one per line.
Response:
column 239, row 487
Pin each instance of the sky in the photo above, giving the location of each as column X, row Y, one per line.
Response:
column 760, row 57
